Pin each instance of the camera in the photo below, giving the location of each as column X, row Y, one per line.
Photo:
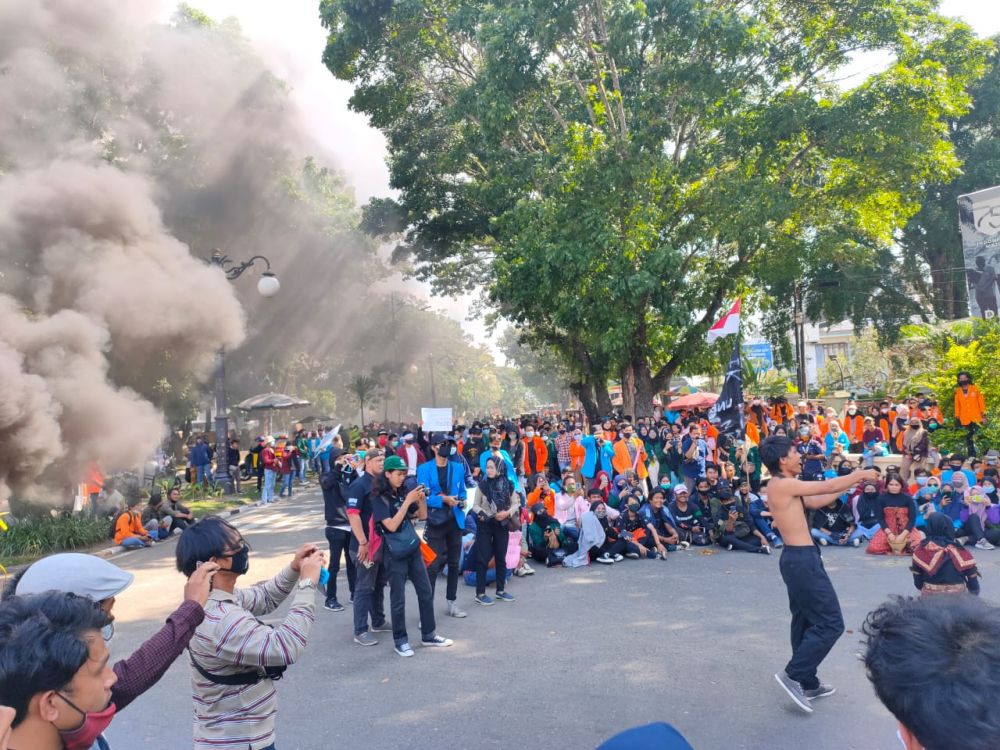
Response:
column 423, row 488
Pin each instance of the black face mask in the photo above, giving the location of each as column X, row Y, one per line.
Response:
column 240, row 561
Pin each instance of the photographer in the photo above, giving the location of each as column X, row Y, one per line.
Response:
column 338, row 528
column 235, row 658
column 393, row 511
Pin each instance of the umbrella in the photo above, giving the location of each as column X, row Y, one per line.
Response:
column 315, row 419
column 700, row 400
column 266, row 401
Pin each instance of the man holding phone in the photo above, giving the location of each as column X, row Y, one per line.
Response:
column 369, row 585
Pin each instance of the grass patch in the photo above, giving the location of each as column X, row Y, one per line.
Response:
column 208, row 507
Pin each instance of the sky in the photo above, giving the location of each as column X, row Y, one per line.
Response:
column 290, row 38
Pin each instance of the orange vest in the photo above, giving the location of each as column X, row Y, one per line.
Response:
column 969, row 407
column 854, row 427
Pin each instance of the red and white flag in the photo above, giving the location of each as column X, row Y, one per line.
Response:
column 728, row 323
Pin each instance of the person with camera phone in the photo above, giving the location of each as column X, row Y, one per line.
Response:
column 394, row 511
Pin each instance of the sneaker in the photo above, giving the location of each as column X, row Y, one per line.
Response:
column 984, row 544
column 385, row 627
column 436, row 641
column 823, row 542
column 520, row 572
column 777, row 543
column 605, row 560
column 334, row 606
column 528, row 570
column 729, row 547
column 503, row 596
column 963, row 540
column 684, row 545
column 618, row 558
column 856, row 542
column 765, row 550
column 794, row 690
column 454, row 611
column 485, row 600
column 821, row 692
column 632, row 555
column 404, row 649
column 365, row 639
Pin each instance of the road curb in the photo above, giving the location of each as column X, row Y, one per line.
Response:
column 118, row 549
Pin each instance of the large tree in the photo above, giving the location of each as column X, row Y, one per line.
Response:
column 613, row 171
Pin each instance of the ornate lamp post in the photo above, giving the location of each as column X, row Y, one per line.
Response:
column 267, row 286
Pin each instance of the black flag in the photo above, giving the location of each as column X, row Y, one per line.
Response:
column 727, row 413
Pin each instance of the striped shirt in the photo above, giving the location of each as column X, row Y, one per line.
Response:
column 232, row 640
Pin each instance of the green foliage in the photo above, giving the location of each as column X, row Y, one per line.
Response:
column 612, row 172
column 946, row 356
column 197, row 491
column 43, row 535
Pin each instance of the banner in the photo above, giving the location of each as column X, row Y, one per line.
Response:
column 727, row 413
column 979, row 219
column 436, row 420
column 761, row 356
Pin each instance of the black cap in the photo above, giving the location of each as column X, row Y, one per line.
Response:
column 439, row 437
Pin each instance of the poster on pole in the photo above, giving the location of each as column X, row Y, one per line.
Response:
column 761, row 356
column 436, row 420
column 979, row 219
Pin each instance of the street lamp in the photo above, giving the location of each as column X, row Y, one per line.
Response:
column 836, row 358
column 267, row 286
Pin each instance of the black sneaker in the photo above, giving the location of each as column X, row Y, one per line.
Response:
column 795, row 691
column 385, row 627
column 821, row 692
column 334, row 606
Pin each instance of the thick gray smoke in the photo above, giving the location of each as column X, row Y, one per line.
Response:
column 96, row 293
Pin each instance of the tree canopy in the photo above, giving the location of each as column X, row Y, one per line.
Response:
column 611, row 172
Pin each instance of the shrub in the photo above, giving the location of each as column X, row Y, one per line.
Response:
column 41, row 536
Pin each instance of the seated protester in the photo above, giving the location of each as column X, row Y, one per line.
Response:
column 55, row 672
column 757, row 507
column 866, row 513
column 933, row 663
column 940, row 564
column 129, row 530
column 100, row 581
column 873, row 449
column 156, row 519
column 235, row 657
column 975, row 517
column 565, row 506
column 546, row 541
column 920, row 478
column 495, row 506
column 632, row 528
column 716, row 483
column 736, row 529
column 813, row 454
column 689, row 519
column 614, row 545
column 897, row 521
column 835, row 525
column 659, row 524
column 956, row 465
column 618, row 487
column 541, row 492
column 705, row 499
column 602, row 482
column 181, row 514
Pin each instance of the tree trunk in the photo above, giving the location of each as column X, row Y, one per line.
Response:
column 644, row 390
column 362, row 404
column 604, row 407
column 585, row 393
column 628, row 391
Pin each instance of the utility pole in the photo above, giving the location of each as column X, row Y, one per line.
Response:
column 800, row 343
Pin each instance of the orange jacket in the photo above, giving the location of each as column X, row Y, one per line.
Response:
column 577, row 455
column 854, row 428
column 535, row 496
column 782, row 413
column 541, row 456
column 622, row 461
column 129, row 524
column 969, row 407
column 752, row 433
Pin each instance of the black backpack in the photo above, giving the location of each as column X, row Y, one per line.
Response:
column 114, row 523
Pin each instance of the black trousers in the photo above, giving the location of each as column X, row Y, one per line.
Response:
column 446, row 541
column 749, row 543
column 609, row 548
column 400, row 569
column 491, row 542
column 340, row 544
column 817, row 622
column 970, row 437
column 369, row 595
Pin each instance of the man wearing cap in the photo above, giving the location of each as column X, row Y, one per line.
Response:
column 90, row 576
column 369, row 584
column 411, row 454
column 474, row 447
column 445, row 481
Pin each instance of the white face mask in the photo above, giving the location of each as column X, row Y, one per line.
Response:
column 529, row 433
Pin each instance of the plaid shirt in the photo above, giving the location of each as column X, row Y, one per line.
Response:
column 562, row 448
column 232, row 640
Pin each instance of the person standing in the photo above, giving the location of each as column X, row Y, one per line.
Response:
column 970, row 409
column 496, row 503
column 445, row 482
column 536, row 455
column 410, row 452
column 694, row 450
column 817, row 621
column 200, row 459
column 338, row 527
column 257, row 464
column 916, row 444
column 233, row 462
column 270, row 464
column 853, row 425
column 630, row 453
column 369, row 585
column 393, row 512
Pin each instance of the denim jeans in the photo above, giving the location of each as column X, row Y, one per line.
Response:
column 302, row 470
column 839, row 541
column 400, row 569
column 132, row 542
column 340, row 543
column 202, row 472
column 286, row 484
column 369, row 594
column 267, row 494
column 863, row 533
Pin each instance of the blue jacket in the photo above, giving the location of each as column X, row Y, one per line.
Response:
column 437, row 513
column 199, row 455
column 590, row 462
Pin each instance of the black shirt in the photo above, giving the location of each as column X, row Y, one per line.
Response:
column 358, row 498
column 836, row 520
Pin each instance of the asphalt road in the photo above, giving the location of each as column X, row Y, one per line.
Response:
column 581, row 655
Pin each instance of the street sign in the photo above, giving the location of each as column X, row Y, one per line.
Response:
column 761, row 355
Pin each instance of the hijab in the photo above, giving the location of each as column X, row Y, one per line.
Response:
column 499, row 489
column 602, row 518
column 940, row 530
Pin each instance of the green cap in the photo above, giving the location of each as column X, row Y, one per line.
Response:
column 394, row 463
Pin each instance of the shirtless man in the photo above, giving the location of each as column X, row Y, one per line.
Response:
column 817, row 622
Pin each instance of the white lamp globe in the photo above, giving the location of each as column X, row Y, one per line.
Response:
column 268, row 285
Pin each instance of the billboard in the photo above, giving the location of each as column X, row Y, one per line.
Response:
column 979, row 219
column 761, row 356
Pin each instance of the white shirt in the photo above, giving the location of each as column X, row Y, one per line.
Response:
column 411, row 460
